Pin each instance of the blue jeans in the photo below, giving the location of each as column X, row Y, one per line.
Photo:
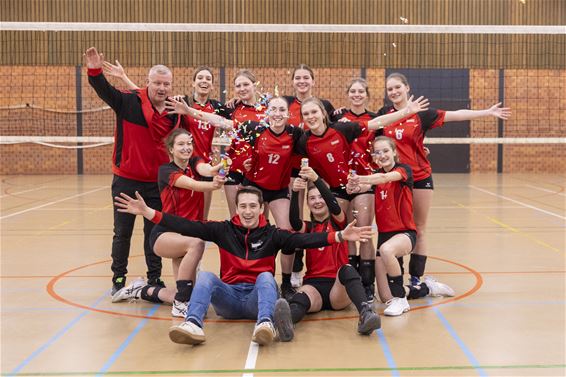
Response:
column 233, row 301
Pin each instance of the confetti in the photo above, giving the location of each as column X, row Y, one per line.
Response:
column 385, row 54
column 523, row 1
column 394, row 44
column 404, row 20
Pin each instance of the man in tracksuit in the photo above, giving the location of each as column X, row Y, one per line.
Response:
column 248, row 247
column 141, row 125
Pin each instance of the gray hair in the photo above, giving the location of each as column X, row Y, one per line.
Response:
column 160, row 70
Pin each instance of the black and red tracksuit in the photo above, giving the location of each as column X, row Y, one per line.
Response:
column 244, row 253
column 138, row 153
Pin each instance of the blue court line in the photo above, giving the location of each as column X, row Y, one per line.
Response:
column 55, row 337
column 469, row 355
column 126, row 342
column 387, row 352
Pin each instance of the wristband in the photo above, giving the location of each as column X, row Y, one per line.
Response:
column 340, row 237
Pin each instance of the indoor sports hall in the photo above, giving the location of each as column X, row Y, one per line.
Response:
column 496, row 229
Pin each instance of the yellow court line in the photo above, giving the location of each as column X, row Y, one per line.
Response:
column 511, row 228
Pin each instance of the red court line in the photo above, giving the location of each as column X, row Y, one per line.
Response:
column 52, row 292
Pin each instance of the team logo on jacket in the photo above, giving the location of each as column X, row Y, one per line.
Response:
column 334, row 142
column 256, row 245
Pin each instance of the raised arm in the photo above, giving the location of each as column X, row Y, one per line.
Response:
column 118, row 71
column 413, row 107
column 495, row 111
column 294, row 209
column 207, row 231
column 94, row 62
column 189, row 183
column 179, row 106
column 333, row 207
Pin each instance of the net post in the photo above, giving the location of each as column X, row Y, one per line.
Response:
column 363, row 73
column 500, row 131
column 79, row 108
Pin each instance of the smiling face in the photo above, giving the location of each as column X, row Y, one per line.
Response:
column 245, row 88
column 397, row 91
column 203, row 83
column 182, row 148
column 313, row 117
column 384, row 153
column 248, row 209
column 303, row 82
column 317, row 205
column 358, row 95
column 277, row 113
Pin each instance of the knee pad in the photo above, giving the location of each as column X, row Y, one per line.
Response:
column 367, row 271
column 299, row 305
column 347, row 273
column 153, row 297
column 417, row 265
column 396, row 286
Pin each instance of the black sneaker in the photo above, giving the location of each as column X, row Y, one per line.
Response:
column 369, row 320
column 287, row 291
column 157, row 282
column 117, row 284
column 282, row 320
column 370, row 291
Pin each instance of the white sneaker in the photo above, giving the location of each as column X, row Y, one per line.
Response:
column 186, row 333
column 179, row 309
column 437, row 288
column 130, row 292
column 264, row 333
column 296, row 279
column 396, row 306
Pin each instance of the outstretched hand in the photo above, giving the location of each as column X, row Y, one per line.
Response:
column 355, row 233
column 114, row 70
column 416, row 106
column 137, row 206
column 93, row 59
column 177, row 106
column 500, row 112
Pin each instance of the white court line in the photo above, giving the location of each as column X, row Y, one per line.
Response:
column 21, row 192
column 545, row 190
column 251, row 359
column 54, row 202
column 518, row 202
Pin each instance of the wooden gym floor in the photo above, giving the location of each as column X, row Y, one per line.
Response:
column 498, row 240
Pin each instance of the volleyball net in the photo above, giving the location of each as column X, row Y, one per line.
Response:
column 45, row 98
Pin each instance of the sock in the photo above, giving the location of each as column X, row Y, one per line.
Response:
column 184, row 290
column 367, row 271
column 396, row 286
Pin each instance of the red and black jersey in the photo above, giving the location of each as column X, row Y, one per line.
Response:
column 394, row 202
column 330, row 154
column 324, row 262
column 240, row 149
column 296, row 119
column 203, row 132
column 244, row 253
column 362, row 162
column 409, row 136
column 271, row 154
column 140, row 130
column 179, row 201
